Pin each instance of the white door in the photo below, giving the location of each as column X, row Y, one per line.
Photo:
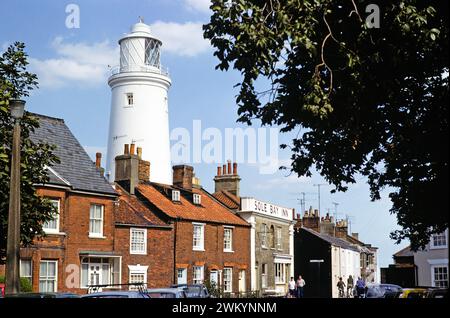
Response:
column 214, row 277
column 182, row 276
column 242, row 280
column 95, row 275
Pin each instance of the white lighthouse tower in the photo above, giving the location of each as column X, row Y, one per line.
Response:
column 139, row 106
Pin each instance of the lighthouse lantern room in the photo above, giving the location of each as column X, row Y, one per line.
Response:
column 139, row 104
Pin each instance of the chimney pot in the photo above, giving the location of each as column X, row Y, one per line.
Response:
column 98, row 159
column 224, row 168
column 235, row 168
column 132, row 147
column 139, row 152
column 219, row 171
column 229, row 167
column 126, row 149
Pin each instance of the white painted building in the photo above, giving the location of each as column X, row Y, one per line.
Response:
column 139, row 104
column 271, row 245
column 345, row 261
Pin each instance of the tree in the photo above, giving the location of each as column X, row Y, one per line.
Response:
column 361, row 100
column 16, row 82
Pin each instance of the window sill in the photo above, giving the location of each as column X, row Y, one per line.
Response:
column 198, row 249
column 138, row 253
column 228, row 251
column 55, row 233
column 97, row 236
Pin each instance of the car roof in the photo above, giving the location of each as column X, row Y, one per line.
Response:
column 163, row 290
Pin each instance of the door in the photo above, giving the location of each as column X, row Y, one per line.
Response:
column 214, row 277
column 242, row 281
column 95, row 275
column 182, row 276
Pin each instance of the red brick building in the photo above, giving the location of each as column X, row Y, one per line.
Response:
column 210, row 241
column 79, row 247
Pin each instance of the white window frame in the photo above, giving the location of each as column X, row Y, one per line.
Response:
column 137, row 270
column 433, row 267
column 279, row 238
column 201, row 246
column 198, row 270
column 264, row 235
column 264, row 275
column 138, row 252
column 435, row 247
column 55, row 218
column 176, row 195
column 46, row 278
column 129, row 96
column 280, row 273
column 101, row 219
column 228, row 283
column 197, row 199
column 30, row 276
column 114, row 272
column 228, row 247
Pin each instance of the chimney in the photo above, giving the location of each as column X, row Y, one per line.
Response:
column 132, row 147
column 98, row 163
column 311, row 220
column 341, row 229
column 139, row 152
column 355, row 236
column 182, row 176
column 228, row 180
column 131, row 170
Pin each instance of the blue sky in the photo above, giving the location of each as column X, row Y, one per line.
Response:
column 72, row 65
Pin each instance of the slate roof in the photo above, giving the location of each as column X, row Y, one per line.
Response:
column 208, row 211
column 404, row 252
column 228, row 199
column 76, row 169
column 333, row 240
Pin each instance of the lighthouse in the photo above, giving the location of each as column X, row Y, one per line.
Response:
column 139, row 104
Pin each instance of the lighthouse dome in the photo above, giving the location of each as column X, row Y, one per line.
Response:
column 140, row 27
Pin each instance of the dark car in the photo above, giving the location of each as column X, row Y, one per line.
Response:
column 117, row 294
column 437, row 293
column 193, row 291
column 166, row 293
column 382, row 291
column 43, row 295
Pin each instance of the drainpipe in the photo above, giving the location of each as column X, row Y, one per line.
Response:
column 175, row 274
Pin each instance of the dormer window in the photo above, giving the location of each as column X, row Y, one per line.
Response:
column 175, row 195
column 130, row 99
column 197, row 199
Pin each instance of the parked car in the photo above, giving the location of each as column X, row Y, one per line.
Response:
column 193, row 291
column 414, row 293
column 165, row 293
column 43, row 295
column 381, row 291
column 117, row 294
column 437, row 293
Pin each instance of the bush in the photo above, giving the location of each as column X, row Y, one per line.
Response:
column 25, row 284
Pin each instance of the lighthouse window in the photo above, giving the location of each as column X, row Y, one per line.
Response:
column 130, row 100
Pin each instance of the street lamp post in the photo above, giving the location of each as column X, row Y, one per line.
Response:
column 13, row 240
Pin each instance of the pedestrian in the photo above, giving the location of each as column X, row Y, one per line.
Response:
column 349, row 285
column 292, row 288
column 300, row 286
column 360, row 287
column 341, row 286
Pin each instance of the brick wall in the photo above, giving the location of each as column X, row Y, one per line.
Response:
column 214, row 254
column 159, row 258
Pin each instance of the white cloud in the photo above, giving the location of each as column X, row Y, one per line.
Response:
column 75, row 63
column 198, row 5
column 183, row 39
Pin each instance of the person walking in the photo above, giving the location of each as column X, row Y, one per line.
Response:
column 341, row 286
column 360, row 288
column 292, row 288
column 300, row 286
column 349, row 286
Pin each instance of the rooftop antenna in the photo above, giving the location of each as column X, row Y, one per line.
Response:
column 335, row 216
column 318, row 185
